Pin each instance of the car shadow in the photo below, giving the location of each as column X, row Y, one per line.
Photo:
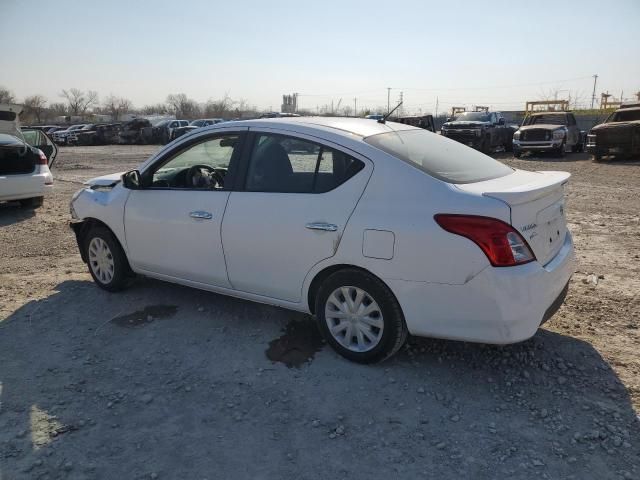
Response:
column 171, row 382
column 12, row 212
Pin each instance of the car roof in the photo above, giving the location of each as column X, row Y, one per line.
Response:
column 347, row 126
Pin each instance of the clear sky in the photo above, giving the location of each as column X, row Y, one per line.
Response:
column 488, row 52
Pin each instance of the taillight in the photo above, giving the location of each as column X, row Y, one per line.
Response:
column 500, row 242
column 42, row 158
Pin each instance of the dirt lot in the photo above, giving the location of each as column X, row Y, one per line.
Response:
column 92, row 385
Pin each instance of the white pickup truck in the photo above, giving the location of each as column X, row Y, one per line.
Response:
column 25, row 158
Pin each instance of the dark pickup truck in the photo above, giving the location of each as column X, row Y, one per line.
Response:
column 618, row 136
column 483, row 131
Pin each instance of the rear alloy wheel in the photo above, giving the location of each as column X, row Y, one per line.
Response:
column 359, row 317
column 35, row 202
column 107, row 262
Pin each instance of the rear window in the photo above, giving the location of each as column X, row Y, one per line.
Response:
column 438, row 156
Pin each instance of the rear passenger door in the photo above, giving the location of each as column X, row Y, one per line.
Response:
column 289, row 211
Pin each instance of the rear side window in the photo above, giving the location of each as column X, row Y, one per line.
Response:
column 440, row 157
column 291, row 165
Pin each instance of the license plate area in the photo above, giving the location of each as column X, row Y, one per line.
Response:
column 553, row 227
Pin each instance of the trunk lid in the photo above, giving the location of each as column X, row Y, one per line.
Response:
column 536, row 201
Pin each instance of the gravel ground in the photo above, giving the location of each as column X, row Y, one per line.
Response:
column 167, row 382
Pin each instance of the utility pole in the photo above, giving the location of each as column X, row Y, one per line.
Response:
column 638, row 95
column 401, row 101
column 436, row 107
column 593, row 96
column 388, row 100
column 355, row 107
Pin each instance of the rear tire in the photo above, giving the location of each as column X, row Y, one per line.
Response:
column 35, row 202
column 106, row 260
column 360, row 317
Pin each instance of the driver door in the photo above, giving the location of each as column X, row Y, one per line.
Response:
column 172, row 223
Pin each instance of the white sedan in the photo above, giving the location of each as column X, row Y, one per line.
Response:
column 25, row 158
column 376, row 229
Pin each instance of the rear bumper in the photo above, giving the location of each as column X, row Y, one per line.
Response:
column 498, row 306
column 19, row 187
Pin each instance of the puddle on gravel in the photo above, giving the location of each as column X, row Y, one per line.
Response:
column 146, row 315
column 298, row 344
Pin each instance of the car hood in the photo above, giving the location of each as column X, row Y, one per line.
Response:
column 10, row 127
column 105, row 180
column 542, row 126
column 603, row 126
column 464, row 124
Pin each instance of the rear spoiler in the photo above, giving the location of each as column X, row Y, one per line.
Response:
column 532, row 190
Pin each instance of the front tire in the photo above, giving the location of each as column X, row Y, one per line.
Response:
column 107, row 262
column 360, row 317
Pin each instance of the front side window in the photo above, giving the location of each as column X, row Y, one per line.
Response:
column 292, row 165
column 202, row 166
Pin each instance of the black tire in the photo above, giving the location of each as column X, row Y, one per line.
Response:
column 560, row 152
column 508, row 147
column 517, row 153
column 394, row 331
column 597, row 157
column 35, row 202
column 121, row 270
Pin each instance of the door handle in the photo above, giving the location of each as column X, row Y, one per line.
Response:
column 201, row 215
column 327, row 227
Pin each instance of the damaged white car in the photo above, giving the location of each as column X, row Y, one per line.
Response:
column 25, row 158
column 378, row 229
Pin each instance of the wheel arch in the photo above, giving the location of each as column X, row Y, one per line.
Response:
column 323, row 274
column 81, row 228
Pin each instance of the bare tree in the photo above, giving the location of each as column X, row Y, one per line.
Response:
column 79, row 101
column 157, row 109
column 35, row 106
column 218, row 108
column 58, row 109
column 6, row 95
column 183, row 106
column 115, row 106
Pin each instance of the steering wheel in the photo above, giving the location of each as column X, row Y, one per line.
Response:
column 203, row 176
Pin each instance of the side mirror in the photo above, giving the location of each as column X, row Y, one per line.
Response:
column 501, row 121
column 131, row 180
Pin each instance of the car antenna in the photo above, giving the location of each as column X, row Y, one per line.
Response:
column 384, row 119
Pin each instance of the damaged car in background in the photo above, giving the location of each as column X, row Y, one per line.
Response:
column 618, row 135
column 25, row 158
column 482, row 130
column 551, row 132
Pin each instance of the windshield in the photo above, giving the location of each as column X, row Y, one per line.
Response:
column 625, row 116
column 439, row 156
column 547, row 118
column 472, row 117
